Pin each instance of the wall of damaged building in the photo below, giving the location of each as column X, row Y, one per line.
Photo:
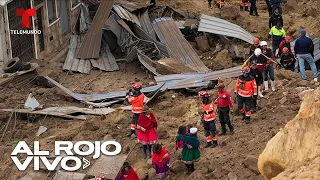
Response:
column 54, row 39
column 3, row 46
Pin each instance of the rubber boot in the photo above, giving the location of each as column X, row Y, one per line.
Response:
column 223, row 132
column 149, row 150
column 192, row 167
column 266, row 85
column 231, row 131
column 247, row 120
column 243, row 116
column 241, row 8
column 259, row 92
column 145, row 151
column 273, row 87
column 246, row 8
column 208, row 145
column 214, row 144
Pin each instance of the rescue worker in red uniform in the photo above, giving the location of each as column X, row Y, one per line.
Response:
column 224, row 104
column 285, row 43
column 246, row 88
column 136, row 99
column 208, row 119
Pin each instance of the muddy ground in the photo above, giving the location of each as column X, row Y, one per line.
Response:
column 173, row 108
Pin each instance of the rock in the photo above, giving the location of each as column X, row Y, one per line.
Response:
column 230, row 12
column 300, row 89
column 303, row 83
column 251, row 163
column 142, row 172
column 297, row 142
column 151, row 173
column 178, row 166
column 222, row 60
column 196, row 175
column 232, row 176
column 305, row 92
column 162, row 133
column 177, row 111
column 171, row 66
column 202, row 43
column 41, row 91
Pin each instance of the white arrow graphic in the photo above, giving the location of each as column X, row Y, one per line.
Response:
column 86, row 163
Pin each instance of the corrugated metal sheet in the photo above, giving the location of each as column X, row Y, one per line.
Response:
column 130, row 6
column 106, row 62
column 124, row 14
column 145, row 22
column 148, row 63
column 219, row 26
column 92, row 41
column 145, row 36
column 178, row 47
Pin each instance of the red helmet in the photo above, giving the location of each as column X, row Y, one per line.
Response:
column 221, row 85
column 137, row 85
column 246, row 70
column 256, row 41
column 288, row 38
column 203, row 94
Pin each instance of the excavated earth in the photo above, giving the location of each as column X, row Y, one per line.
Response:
column 237, row 153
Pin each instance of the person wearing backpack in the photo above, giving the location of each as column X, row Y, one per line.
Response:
column 275, row 18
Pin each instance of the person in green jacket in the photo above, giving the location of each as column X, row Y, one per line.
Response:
column 190, row 152
column 276, row 35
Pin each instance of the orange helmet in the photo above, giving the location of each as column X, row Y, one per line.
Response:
column 203, row 94
column 221, row 85
column 137, row 85
column 246, row 70
column 256, row 41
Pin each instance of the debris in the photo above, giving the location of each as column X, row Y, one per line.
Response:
column 31, row 175
column 202, row 43
column 103, row 104
column 172, row 66
column 251, row 163
column 41, row 130
column 232, row 176
column 31, row 103
column 304, row 93
column 283, row 100
column 68, row 175
column 111, row 171
column 66, row 112
column 13, row 65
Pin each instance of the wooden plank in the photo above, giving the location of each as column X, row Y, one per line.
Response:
column 94, row 63
column 87, row 67
column 81, row 66
column 75, row 65
column 71, row 53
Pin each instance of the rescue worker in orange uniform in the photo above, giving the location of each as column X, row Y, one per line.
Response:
column 136, row 99
column 208, row 118
column 246, row 88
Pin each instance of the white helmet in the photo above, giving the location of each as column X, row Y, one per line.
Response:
column 257, row 52
column 263, row 43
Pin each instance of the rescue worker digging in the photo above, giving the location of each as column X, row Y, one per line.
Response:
column 246, row 87
column 136, row 98
column 268, row 70
column 208, row 119
column 224, row 104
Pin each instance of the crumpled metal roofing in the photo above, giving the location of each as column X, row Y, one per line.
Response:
column 219, row 26
column 178, row 47
column 124, row 14
column 130, row 6
column 91, row 44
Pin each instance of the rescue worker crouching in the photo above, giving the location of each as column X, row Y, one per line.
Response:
column 245, row 89
column 136, row 99
column 208, row 119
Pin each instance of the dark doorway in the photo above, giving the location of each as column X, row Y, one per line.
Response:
column 21, row 44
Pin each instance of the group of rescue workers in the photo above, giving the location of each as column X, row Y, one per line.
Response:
column 257, row 70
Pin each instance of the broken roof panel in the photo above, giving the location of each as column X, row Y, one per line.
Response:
column 146, row 23
column 125, row 14
column 219, row 26
column 91, row 44
column 130, row 6
column 178, row 47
